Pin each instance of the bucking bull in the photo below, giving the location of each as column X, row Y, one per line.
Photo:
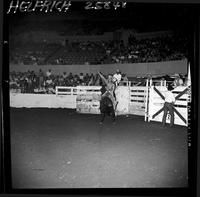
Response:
column 107, row 108
column 108, row 101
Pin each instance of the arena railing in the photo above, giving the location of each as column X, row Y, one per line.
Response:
column 63, row 90
column 138, row 100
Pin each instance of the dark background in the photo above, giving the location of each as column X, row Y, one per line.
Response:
column 198, row 115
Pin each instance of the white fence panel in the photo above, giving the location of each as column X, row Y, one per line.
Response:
column 88, row 99
column 156, row 103
column 122, row 96
column 137, row 100
column 62, row 90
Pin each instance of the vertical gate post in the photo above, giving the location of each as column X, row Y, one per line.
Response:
column 146, row 100
column 149, row 89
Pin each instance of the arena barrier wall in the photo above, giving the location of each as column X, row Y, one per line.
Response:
column 85, row 99
column 137, row 100
column 156, row 103
column 19, row 100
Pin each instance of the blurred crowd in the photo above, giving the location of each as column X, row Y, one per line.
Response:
column 147, row 50
column 46, row 82
column 101, row 52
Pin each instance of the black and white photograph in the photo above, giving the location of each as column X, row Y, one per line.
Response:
column 99, row 94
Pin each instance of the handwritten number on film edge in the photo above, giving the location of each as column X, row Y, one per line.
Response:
column 104, row 5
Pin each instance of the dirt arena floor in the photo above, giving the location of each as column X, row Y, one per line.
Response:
column 58, row 148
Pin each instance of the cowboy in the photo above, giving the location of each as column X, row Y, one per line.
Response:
column 110, row 89
column 169, row 105
column 117, row 77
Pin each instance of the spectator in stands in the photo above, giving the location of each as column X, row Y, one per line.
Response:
column 86, row 78
column 34, row 82
column 48, row 73
column 49, row 85
column 177, row 81
column 61, row 81
column 13, row 83
column 30, row 86
column 24, row 85
column 76, row 78
column 168, row 106
column 64, row 75
column 41, row 78
column 81, row 77
column 70, row 76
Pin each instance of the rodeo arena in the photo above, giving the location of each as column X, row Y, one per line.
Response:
column 97, row 106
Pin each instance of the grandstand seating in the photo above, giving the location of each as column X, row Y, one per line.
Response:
column 98, row 52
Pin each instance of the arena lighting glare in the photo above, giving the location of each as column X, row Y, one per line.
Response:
column 46, row 6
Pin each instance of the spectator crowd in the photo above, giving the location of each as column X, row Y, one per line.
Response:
column 157, row 49
column 41, row 82
column 147, row 50
column 46, row 82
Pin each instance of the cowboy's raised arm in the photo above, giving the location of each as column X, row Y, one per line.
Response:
column 103, row 78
